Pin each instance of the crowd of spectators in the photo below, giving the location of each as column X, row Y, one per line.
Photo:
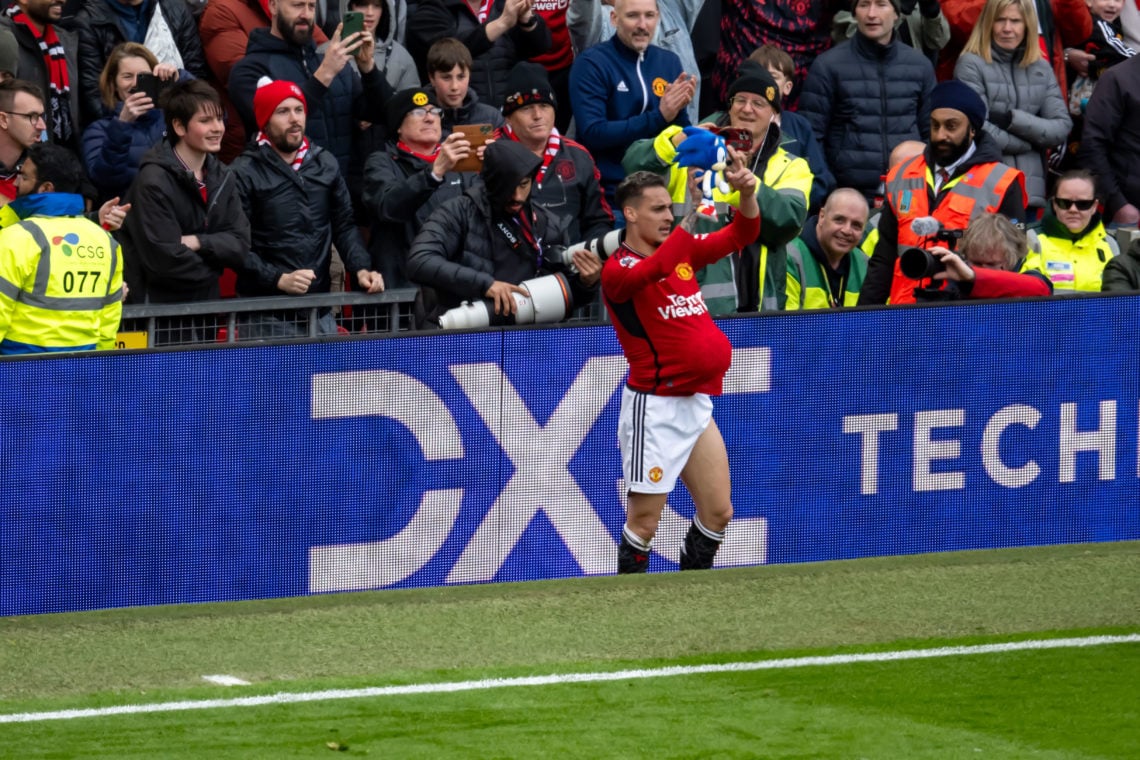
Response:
column 866, row 121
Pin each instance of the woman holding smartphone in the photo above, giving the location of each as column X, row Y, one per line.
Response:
column 114, row 145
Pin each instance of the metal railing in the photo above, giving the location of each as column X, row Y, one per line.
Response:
column 272, row 318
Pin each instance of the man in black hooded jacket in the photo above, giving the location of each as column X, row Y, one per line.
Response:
column 488, row 240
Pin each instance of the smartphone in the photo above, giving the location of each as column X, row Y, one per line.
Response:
column 737, row 138
column 149, row 84
column 476, row 134
column 353, row 23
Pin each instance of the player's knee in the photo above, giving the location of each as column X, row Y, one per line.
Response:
column 717, row 516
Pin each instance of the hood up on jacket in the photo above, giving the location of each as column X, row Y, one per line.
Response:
column 506, row 163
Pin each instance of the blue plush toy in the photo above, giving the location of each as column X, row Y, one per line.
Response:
column 709, row 153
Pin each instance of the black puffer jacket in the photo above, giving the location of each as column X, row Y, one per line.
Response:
column 295, row 217
column 400, row 195
column 461, row 250
column 100, row 31
column 571, row 188
column 333, row 111
column 492, row 61
column 862, row 99
column 165, row 205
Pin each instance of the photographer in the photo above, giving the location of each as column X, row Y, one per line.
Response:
column 959, row 178
column 992, row 250
column 488, row 240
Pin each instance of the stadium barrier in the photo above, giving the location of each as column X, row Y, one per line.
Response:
column 248, row 471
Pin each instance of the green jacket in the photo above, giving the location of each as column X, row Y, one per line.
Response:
column 808, row 286
column 734, row 283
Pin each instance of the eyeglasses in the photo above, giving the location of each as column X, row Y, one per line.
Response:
column 421, row 113
column 1067, row 203
column 33, row 118
column 757, row 105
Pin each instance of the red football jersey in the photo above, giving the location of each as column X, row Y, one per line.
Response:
column 671, row 343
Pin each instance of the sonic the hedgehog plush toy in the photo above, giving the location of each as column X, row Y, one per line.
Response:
column 709, row 153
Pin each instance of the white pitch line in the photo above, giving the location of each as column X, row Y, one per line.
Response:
column 617, row 675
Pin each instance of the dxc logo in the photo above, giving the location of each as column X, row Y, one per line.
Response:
column 541, row 481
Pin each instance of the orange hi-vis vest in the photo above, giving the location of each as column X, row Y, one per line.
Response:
column 910, row 192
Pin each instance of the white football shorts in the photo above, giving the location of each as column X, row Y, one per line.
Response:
column 657, row 434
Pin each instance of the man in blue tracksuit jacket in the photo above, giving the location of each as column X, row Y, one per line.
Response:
column 625, row 89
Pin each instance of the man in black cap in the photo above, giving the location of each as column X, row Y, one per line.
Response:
column 932, row 197
column 568, row 182
column 488, row 240
column 754, row 277
column 410, row 178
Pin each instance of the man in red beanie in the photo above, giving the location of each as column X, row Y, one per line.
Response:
column 298, row 207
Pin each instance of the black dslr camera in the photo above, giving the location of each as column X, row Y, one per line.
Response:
column 919, row 263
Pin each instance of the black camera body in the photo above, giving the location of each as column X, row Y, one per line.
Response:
column 920, row 264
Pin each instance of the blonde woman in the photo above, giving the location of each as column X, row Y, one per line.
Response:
column 1002, row 62
column 114, row 145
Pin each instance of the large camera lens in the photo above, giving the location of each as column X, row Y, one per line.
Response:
column 919, row 263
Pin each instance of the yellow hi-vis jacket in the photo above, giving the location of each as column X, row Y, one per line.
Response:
column 61, row 284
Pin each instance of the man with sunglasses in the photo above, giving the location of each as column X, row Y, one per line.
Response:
column 21, row 123
column 1072, row 246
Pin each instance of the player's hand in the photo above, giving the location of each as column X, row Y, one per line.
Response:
column 501, row 293
column 589, row 266
column 296, row 283
column 1128, row 214
column 738, row 175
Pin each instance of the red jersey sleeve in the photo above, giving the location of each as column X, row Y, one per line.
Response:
column 680, row 247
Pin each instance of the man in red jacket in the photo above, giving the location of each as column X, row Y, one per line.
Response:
column 677, row 358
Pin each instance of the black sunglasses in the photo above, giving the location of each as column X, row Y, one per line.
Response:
column 1083, row 205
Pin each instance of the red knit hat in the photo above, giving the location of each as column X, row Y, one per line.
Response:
column 269, row 95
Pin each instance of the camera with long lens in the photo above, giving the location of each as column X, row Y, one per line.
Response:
column 548, row 298
column 920, row 264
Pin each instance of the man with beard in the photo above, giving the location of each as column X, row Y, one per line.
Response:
column 488, row 240
column 298, row 206
column 337, row 98
column 959, row 178
column 47, row 56
column 825, row 266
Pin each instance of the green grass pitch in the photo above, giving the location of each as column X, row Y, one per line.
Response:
column 1053, row 703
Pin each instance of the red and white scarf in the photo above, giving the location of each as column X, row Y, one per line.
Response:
column 297, row 159
column 484, row 10
column 55, row 61
column 553, row 145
